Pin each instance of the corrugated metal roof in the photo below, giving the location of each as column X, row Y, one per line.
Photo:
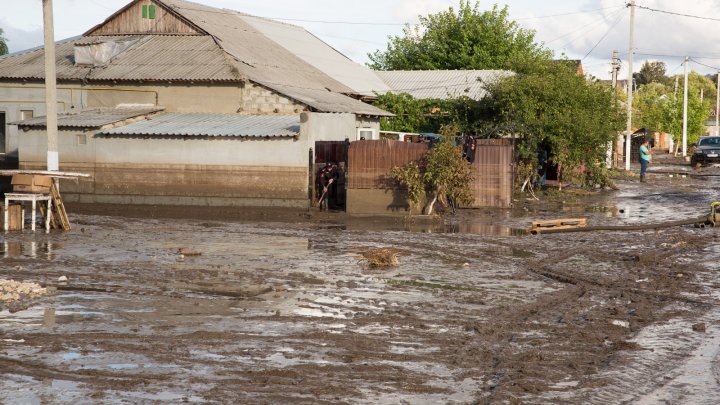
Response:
column 90, row 118
column 151, row 57
column 200, row 124
column 319, row 54
column 233, row 50
column 442, row 84
column 265, row 62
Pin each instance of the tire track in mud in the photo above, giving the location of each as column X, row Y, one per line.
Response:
column 596, row 343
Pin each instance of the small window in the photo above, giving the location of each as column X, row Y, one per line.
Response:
column 148, row 12
column 366, row 134
column 26, row 114
column 82, row 139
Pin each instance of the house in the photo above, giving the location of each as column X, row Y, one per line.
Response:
column 441, row 84
column 174, row 102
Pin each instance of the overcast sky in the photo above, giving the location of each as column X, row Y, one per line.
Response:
column 581, row 29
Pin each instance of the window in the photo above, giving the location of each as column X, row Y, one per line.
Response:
column 366, row 134
column 26, row 114
column 82, row 139
column 148, row 12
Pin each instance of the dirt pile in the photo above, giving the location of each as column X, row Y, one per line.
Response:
column 15, row 295
column 381, row 257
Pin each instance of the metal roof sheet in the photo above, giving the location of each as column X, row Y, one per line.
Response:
column 264, row 61
column 319, row 54
column 442, row 84
column 150, row 58
column 234, row 50
column 201, row 124
column 90, row 118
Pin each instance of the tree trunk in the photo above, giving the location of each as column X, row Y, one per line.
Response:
column 430, row 205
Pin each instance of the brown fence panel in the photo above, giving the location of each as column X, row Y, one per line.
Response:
column 493, row 176
column 370, row 162
column 494, row 141
column 329, row 151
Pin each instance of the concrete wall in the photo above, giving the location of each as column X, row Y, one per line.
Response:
column 229, row 98
column 210, row 171
column 378, row 202
column 334, row 126
column 194, row 171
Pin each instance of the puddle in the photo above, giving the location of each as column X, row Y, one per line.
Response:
column 455, row 225
column 30, row 249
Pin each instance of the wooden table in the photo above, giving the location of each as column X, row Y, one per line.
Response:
column 34, row 198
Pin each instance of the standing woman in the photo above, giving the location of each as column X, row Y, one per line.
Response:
column 645, row 153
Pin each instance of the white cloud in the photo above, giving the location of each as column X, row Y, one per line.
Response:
column 409, row 10
column 658, row 36
column 19, row 39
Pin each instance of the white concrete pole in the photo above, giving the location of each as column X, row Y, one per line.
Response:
column 685, row 112
column 628, row 134
column 53, row 160
column 717, row 106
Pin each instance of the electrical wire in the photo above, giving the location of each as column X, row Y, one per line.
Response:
column 678, row 14
column 617, row 20
column 570, row 13
column 703, row 64
column 583, row 30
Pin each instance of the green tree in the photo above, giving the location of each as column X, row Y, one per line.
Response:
column 470, row 39
column 554, row 107
column 442, row 175
column 660, row 108
column 3, row 43
column 651, row 72
column 650, row 105
column 410, row 114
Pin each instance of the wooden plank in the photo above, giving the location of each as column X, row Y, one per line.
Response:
column 60, row 217
column 50, row 173
column 562, row 223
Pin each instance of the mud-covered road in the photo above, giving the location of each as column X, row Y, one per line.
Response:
column 279, row 307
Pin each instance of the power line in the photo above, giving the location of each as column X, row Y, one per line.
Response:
column 337, row 22
column 703, row 64
column 617, row 20
column 571, row 13
column 583, row 31
column 679, row 14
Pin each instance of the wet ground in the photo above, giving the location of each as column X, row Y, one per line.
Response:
column 222, row 306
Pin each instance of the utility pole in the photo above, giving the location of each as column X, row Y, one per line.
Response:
column 685, row 108
column 615, row 68
column 617, row 149
column 717, row 106
column 628, row 135
column 53, row 159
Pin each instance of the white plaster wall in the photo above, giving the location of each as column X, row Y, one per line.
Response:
column 282, row 152
column 334, row 126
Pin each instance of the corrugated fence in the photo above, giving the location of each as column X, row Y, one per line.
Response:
column 370, row 162
column 493, row 176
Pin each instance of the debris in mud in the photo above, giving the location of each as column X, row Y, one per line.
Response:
column 699, row 327
column 245, row 291
column 622, row 324
column 15, row 295
column 385, row 257
column 188, row 252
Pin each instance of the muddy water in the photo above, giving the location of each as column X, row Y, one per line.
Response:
column 284, row 310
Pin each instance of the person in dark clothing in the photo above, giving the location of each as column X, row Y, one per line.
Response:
column 469, row 148
column 327, row 177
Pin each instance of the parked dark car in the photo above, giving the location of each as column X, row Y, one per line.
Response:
column 707, row 151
